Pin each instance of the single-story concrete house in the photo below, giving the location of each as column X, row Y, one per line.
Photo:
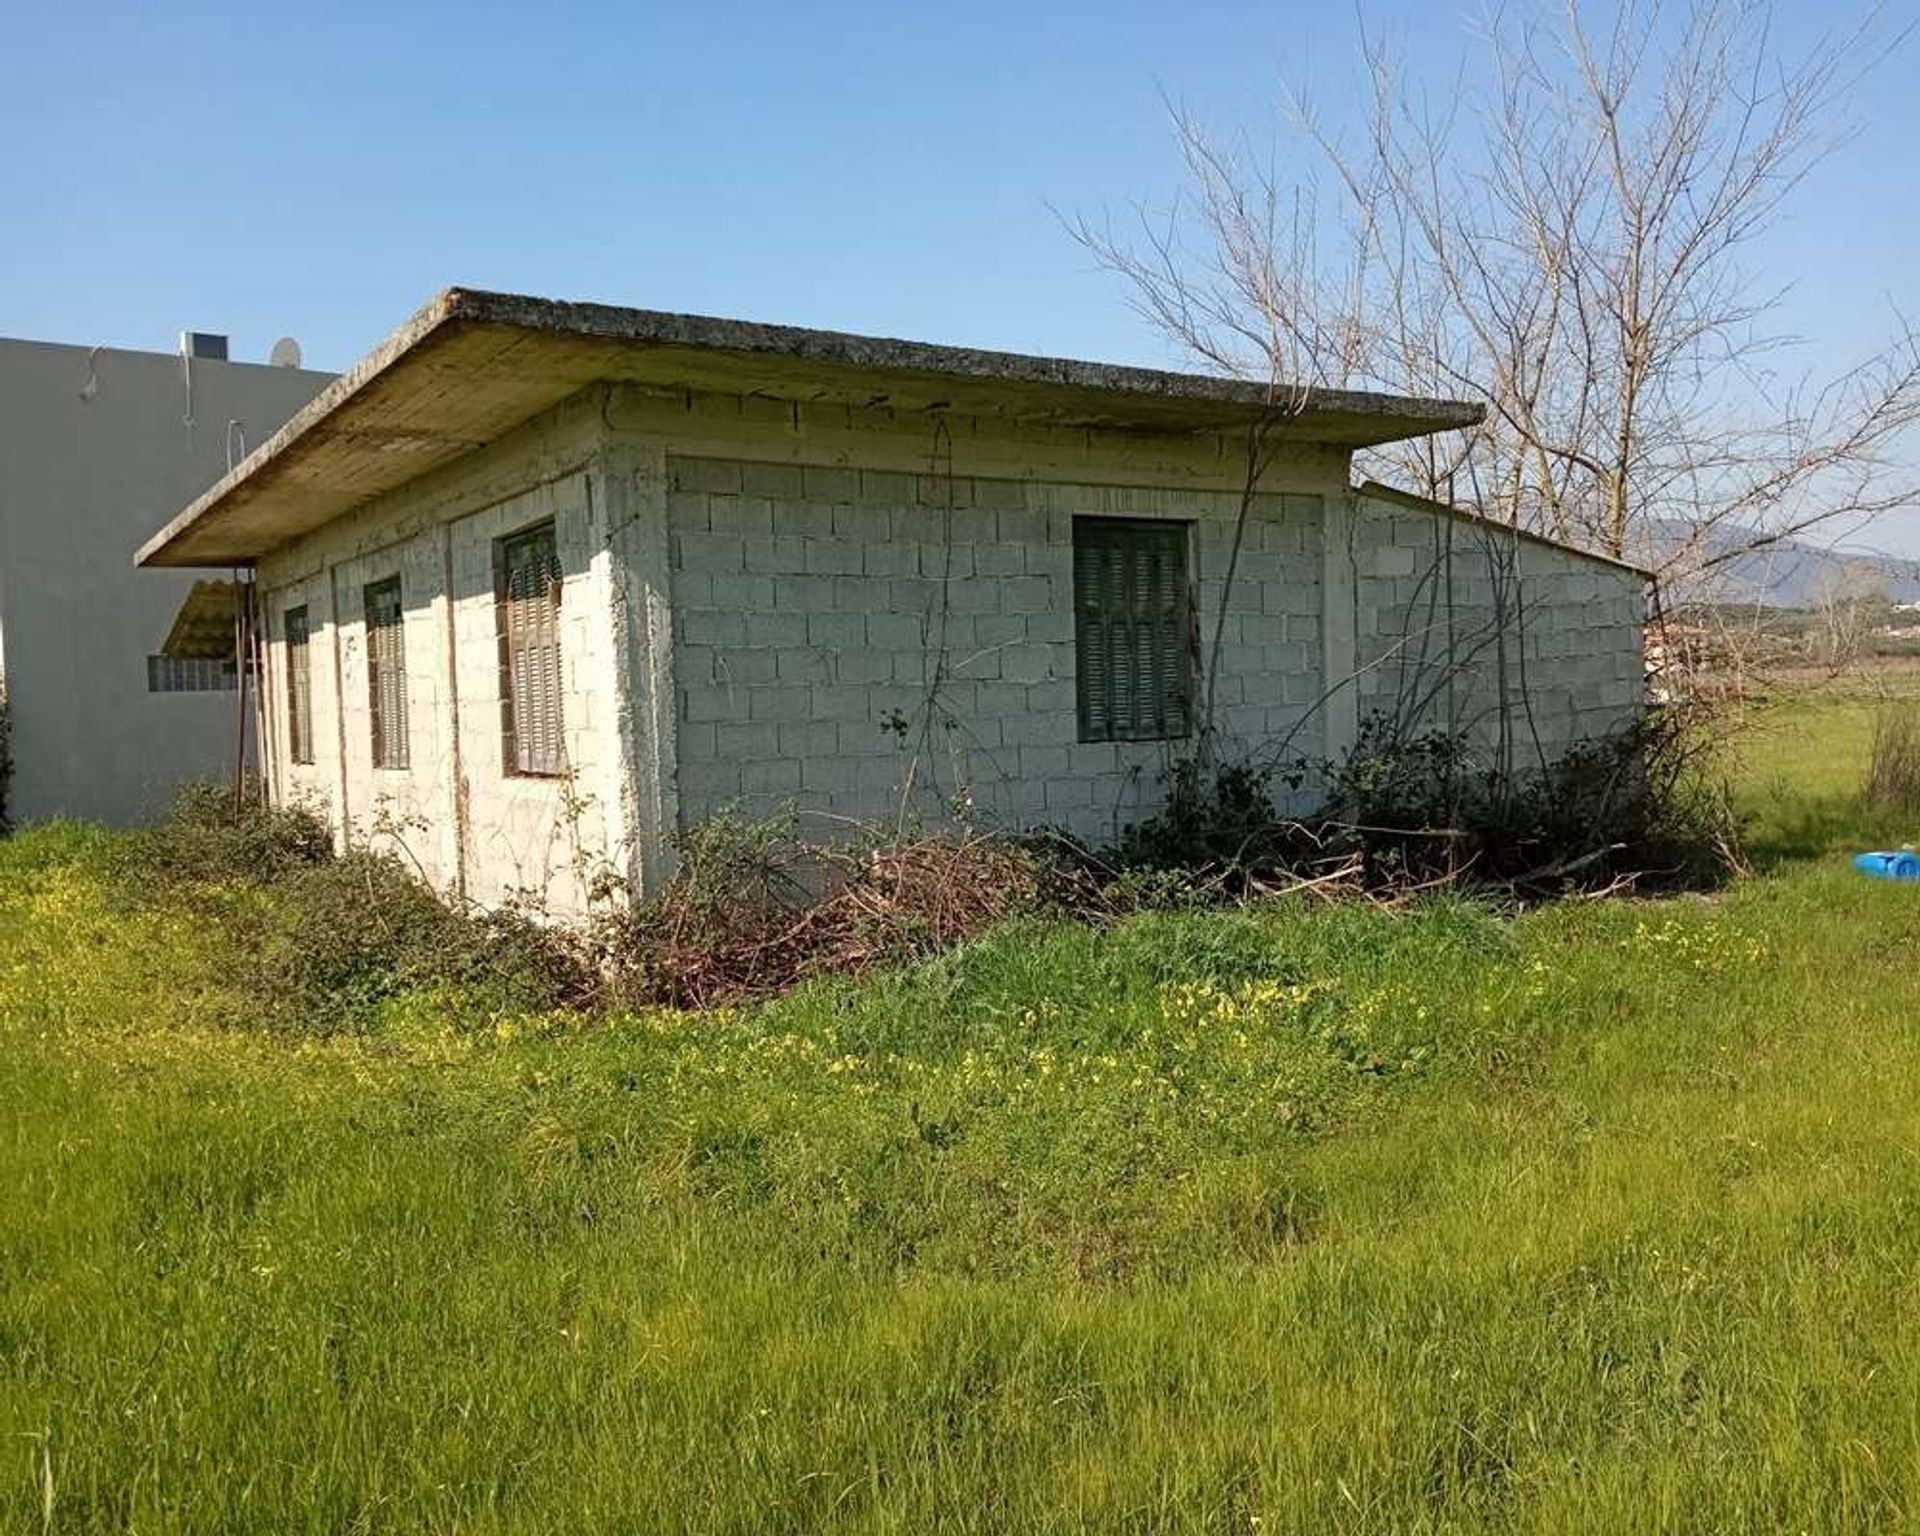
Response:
column 541, row 584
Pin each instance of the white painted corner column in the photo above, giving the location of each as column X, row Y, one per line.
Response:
column 633, row 493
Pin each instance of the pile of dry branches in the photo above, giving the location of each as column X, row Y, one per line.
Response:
column 771, row 910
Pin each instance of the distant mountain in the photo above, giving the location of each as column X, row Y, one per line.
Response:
column 1790, row 574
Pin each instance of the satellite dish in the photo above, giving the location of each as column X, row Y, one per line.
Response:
column 285, row 353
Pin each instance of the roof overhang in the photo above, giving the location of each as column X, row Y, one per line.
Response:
column 471, row 366
column 203, row 629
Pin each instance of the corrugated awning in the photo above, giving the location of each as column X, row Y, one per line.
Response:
column 203, row 628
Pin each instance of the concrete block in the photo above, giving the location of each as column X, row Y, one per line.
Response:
column 1027, row 663
column 831, row 485
column 1043, row 763
column 836, row 631
column 803, row 594
column 710, row 552
column 808, row 738
column 860, row 664
column 860, row 594
column 1002, row 699
column 686, row 513
column 769, row 776
column 835, row 557
column 738, row 740
column 749, row 594
column 776, row 629
column 692, row 589
column 779, row 703
column 713, row 626
column 777, row 482
column 1025, row 594
column 710, row 703
column 888, row 488
column 1000, row 495
column 716, row 476
column 1021, row 527
column 842, row 704
column 891, row 557
column 804, row 519
column 974, row 597
column 1068, row 795
column 1000, row 560
column 939, row 492
column 808, row 664
column 977, row 665
column 895, row 632
column 910, row 594
column 738, row 664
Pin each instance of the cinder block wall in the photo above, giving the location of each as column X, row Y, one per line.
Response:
column 1460, row 625
column 858, row 640
column 767, row 602
column 543, row 836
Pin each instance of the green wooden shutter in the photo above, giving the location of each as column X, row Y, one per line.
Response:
column 299, row 686
column 531, row 679
column 1130, row 609
column 387, row 672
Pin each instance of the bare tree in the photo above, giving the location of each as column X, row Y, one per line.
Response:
column 1569, row 240
column 1849, row 600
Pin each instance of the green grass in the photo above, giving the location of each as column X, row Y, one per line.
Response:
column 1302, row 1219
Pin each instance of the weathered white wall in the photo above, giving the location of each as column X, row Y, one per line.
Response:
column 96, row 451
column 549, row 838
column 1466, row 628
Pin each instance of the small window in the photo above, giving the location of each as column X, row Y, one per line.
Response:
column 299, row 687
column 527, row 584
column 387, row 673
column 192, row 674
column 1131, row 623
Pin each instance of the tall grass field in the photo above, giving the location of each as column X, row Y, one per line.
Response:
column 1301, row 1217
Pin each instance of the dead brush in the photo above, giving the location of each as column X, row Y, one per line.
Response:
column 755, row 909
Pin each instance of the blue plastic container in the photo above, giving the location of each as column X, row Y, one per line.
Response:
column 1903, row 865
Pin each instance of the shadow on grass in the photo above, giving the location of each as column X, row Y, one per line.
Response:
column 1808, row 828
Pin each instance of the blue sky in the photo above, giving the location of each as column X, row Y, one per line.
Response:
column 321, row 170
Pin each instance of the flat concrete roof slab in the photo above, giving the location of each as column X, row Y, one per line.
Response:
column 471, row 366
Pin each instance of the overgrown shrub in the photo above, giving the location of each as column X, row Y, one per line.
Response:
column 1216, row 817
column 317, row 942
column 1893, row 768
column 342, row 936
column 1641, row 804
column 210, row 836
column 1407, row 812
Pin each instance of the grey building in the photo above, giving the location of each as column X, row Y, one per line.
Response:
column 97, row 445
column 543, row 583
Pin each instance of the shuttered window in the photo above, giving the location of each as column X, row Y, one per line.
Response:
column 527, row 583
column 1131, row 613
column 299, row 686
column 386, row 672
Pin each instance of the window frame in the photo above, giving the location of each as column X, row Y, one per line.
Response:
column 541, row 753
column 300, row 745
column 1134, row 710
column 387, row 738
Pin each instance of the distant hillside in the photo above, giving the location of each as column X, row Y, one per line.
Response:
column 1789, row 574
